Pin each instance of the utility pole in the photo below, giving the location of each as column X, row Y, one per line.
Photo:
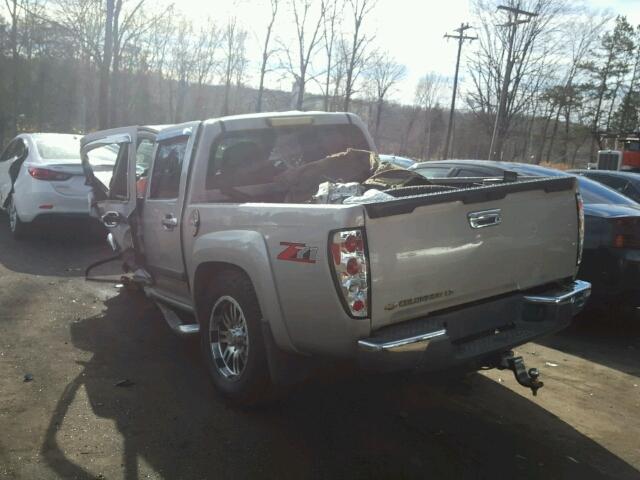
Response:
column 499, row 127
column 461, row 38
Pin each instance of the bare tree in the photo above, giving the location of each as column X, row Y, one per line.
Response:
column 333, row 10
column 181, row 69
column 85, row 22
column 163, row 70
column 308, row 22
column 429, row 92
column 105, row 67
column 384, row 73
column 156, row 47
column 206, row 61
column 357, row 48
column 130, row 22
column 12, row 7
column 267, row 51
column 580, row 36
column 508, row 59
column 205, row 51
column 337, row 74
column 104, row 34
column 233, row 46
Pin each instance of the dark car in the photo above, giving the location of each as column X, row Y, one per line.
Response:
column 627, row 183
column 611, row 258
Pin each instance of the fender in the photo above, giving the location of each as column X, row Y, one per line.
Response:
column 247, row 250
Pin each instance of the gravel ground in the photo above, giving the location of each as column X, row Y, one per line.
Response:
column 79, row 339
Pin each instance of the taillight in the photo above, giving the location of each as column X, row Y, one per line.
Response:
column 348, row 257
column 626, row 232
column 49, row 175
column 580, row 227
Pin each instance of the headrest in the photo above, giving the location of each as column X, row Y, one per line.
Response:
column 240, row 153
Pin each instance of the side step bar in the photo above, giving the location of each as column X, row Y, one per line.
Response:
column 183, row 307
column 174, row 322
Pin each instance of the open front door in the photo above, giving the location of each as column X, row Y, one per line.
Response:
column 109, row 163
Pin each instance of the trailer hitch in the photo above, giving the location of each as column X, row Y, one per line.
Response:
column 526, row 378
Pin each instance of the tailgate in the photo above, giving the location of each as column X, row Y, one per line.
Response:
column 426, row 256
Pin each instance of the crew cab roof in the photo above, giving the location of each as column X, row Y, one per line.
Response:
column 90, row 137
column 314, row 116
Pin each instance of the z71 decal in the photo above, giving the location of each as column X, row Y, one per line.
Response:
column 298, row 252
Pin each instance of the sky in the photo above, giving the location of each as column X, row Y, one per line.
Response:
column 410, row 30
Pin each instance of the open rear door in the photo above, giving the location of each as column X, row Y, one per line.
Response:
column 109, row 163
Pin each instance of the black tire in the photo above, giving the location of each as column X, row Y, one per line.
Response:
column 17, row 227
column 252, row 386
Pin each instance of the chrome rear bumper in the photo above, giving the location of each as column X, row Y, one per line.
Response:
column 417, row 342
column 577, row 295
column 474, row 332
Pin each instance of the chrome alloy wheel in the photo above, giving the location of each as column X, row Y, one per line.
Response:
column 229, row 338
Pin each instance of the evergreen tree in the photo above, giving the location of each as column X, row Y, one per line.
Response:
column 606, row 71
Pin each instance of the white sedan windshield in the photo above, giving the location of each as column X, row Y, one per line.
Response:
column 59, row 147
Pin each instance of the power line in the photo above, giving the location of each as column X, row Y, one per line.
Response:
column 461, row 37
column 496, row 136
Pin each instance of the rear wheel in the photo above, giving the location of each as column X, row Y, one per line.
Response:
column 232, row 341
column 18, row 227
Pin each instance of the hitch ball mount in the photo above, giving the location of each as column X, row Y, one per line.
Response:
column 526, row 378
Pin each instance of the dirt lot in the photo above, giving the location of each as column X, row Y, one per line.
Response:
column 78, row 339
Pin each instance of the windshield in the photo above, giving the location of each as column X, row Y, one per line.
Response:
column 433, row 172
column 536, row 171
column 59, row 147
column 592, row 192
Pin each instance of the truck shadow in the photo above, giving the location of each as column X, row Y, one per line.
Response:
column 47, row 251
column 612, row 342
column 171, row 420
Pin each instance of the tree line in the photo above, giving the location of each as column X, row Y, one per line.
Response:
column 82, row 65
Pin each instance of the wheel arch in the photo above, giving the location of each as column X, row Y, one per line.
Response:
column 205, row 274
column 245, row 252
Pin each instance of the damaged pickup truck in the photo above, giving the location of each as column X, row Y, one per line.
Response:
column 279, row 239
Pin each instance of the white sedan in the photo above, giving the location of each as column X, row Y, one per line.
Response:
column 40, row 176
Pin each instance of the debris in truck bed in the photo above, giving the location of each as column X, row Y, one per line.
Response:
column 370, row 196
column 349, row 193
column 329, row 192
column 349, row 166
column 386, row 177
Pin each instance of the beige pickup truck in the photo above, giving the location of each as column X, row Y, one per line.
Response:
column 279, row 240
